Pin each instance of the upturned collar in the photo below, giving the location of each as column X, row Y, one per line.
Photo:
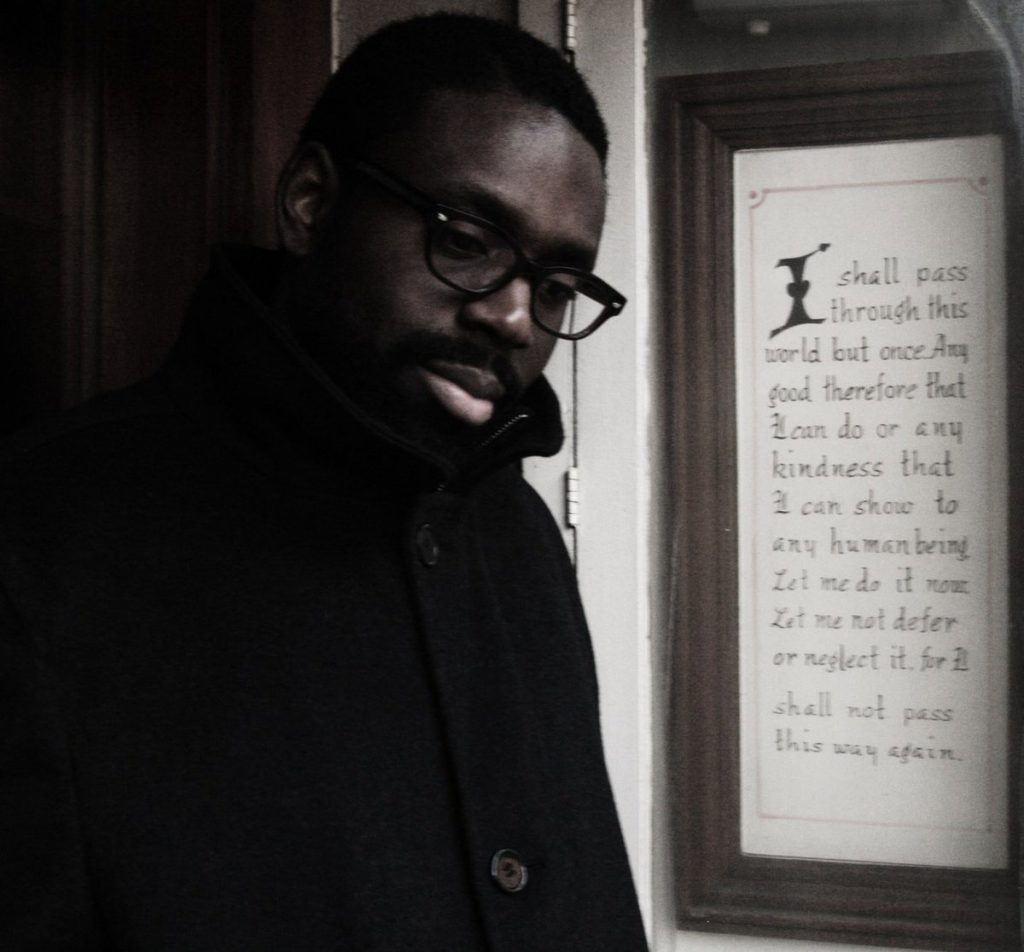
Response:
column 294, row 418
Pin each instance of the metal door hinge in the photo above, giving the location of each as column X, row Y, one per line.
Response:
column 572, row 497
column 569, row 29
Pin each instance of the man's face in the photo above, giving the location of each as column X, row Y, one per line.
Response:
column 434, row 363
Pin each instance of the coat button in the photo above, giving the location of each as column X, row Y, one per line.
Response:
column 426, row 545
column 508, row 871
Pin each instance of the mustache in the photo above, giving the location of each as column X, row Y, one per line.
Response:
column 420, row 345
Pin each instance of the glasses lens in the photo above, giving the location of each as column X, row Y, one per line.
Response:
column 468, row 254
column 567, row 303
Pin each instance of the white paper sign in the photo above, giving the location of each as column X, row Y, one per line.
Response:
column 870, row 313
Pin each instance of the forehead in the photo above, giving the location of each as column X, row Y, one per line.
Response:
column 505, row 158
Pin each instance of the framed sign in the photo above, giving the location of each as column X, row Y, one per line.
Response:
column 844, row 709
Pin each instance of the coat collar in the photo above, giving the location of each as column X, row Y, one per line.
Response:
column 293, row 416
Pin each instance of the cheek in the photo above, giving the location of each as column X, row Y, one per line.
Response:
column 391, row 283
column 374, row 257
column 373, row 305
column 531, row 362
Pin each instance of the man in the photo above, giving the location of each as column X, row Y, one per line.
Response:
column 291, row 658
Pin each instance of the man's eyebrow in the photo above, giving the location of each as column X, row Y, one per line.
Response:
column 485, row 204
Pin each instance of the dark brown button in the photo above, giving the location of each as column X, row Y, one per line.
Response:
column 426, row 545
column 508, row 871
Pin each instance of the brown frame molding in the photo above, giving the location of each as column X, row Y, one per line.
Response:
column 702, row 121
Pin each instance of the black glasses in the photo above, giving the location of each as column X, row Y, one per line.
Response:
column 474, row 255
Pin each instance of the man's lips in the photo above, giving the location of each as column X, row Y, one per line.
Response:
column 467, row 392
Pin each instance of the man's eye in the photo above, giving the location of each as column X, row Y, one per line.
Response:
column 555, row 293
column 462, row 242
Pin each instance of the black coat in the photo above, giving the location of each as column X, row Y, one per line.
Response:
column 264, row 685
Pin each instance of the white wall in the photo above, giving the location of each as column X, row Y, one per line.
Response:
column 611, row 541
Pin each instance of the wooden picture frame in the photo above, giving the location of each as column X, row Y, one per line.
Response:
column 702, row 122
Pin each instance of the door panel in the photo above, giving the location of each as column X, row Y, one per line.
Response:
column 136, row 134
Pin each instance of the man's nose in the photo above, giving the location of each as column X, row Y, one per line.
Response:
column 505, row 313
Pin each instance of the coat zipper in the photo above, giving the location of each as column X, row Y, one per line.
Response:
column 492, row 438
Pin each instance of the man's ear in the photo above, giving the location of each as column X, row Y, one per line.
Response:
column 306, row 195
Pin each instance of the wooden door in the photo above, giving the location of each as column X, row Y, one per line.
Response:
column 135, row 134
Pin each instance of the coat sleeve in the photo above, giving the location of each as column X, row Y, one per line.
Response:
column 44, row 895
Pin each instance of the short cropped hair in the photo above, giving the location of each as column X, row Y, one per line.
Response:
column 382, row 85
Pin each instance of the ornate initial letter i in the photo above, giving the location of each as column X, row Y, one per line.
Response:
column 797, row 289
